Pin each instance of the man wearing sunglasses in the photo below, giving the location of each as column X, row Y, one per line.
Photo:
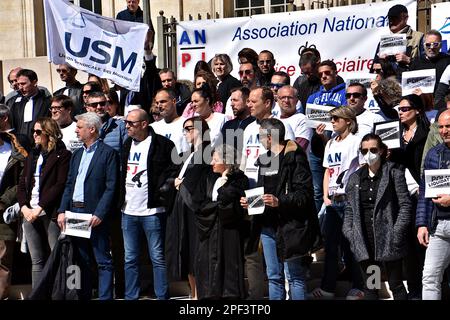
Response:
column 356, row 98
column 433, row 58
column 73, row 87
column 398, row 18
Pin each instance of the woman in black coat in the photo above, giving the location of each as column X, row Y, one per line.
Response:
column 377, row 215
column 182, row 237
column 219, row 265
column 40, row 190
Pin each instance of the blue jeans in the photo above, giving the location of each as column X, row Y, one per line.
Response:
column 317, row 171
column 153, row 227
column 102, row 252
column 275, row 270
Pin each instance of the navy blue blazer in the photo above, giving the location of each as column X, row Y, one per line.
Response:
column 100, row 184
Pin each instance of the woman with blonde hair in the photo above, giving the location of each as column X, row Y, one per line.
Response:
column 40, row 190
column 222, row 66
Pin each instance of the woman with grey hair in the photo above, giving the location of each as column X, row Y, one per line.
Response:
column 219, row 264
column 221, row 66
column 387, row 93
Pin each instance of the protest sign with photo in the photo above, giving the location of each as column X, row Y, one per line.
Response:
column 437, row 182
column 392, row 44
column 317, row 114
column 389, row 132
column 77, row 224
column 254, row 199
column 419, row 79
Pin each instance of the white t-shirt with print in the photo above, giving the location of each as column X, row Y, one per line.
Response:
column 172, row 131
column 34, row 202
column 342, row 159
column 136, row 183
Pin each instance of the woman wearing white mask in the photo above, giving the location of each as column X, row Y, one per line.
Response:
column 377, row 215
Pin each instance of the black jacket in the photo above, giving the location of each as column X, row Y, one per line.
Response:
column 391, row 216
column 159, row 168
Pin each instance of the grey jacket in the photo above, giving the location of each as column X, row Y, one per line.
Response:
column 391, row 217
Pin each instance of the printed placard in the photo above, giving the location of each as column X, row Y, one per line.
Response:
column 389, row 132
column 392, row 44
column 255, row 202
column 419, row 79
column 365, row 78
column 317, row 114
column 77, row 224
column 437, row 182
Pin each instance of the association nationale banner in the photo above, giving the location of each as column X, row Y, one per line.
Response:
column 103, row 46
column 349, row 35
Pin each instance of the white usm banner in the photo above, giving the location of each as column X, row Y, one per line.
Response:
column 349, row 35
column 440, row 21
column 106, row 47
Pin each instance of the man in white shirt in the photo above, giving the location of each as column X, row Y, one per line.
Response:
column 146, row 165
column 61, row 110
column 171, row 126
column 356, row 96
column 288, row 101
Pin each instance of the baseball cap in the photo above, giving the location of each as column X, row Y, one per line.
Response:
column 396, row 10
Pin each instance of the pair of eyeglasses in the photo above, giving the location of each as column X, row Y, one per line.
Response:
column 56, row 108
column 372, row 150
column 335, row 118
column 356, row 95
column 131, row 123
column 246, row 72
column 276, row 85
column 432, row 45
column 88, row 91
column 263, row 62
column 378, row 71
column 62, row 70
column 326, row 73
column 95, row 104
column 38, row 132
column 405, row 109
column 188, row 129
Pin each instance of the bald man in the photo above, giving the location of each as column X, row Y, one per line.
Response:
column 146, row 165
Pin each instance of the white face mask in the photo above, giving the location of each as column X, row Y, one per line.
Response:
column 371, row 158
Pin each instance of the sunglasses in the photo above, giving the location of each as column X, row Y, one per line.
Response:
column 326, row 73
column 276, row 85
column 432, row 45
column 188, row 129
column 405, row 109
column 62, row 71
column 37, row 131
column 335, row 118
column 95, row 104
column 131, row 123
column 372, row 150
column 246, row 72
column 378, row 71
column 88, row 91
column 356, row 95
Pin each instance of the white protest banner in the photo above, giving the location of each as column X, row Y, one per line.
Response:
column 348, row 34
column 254, row 200
column 77, row 224
column 392, row 44
column 389, row 132
column 440, row 21
column 106, row 47
column 316, row 114
column 419, row 79
column 437, row 182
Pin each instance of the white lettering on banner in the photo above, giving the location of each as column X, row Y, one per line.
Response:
column 348, row 35
column 106, row 47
